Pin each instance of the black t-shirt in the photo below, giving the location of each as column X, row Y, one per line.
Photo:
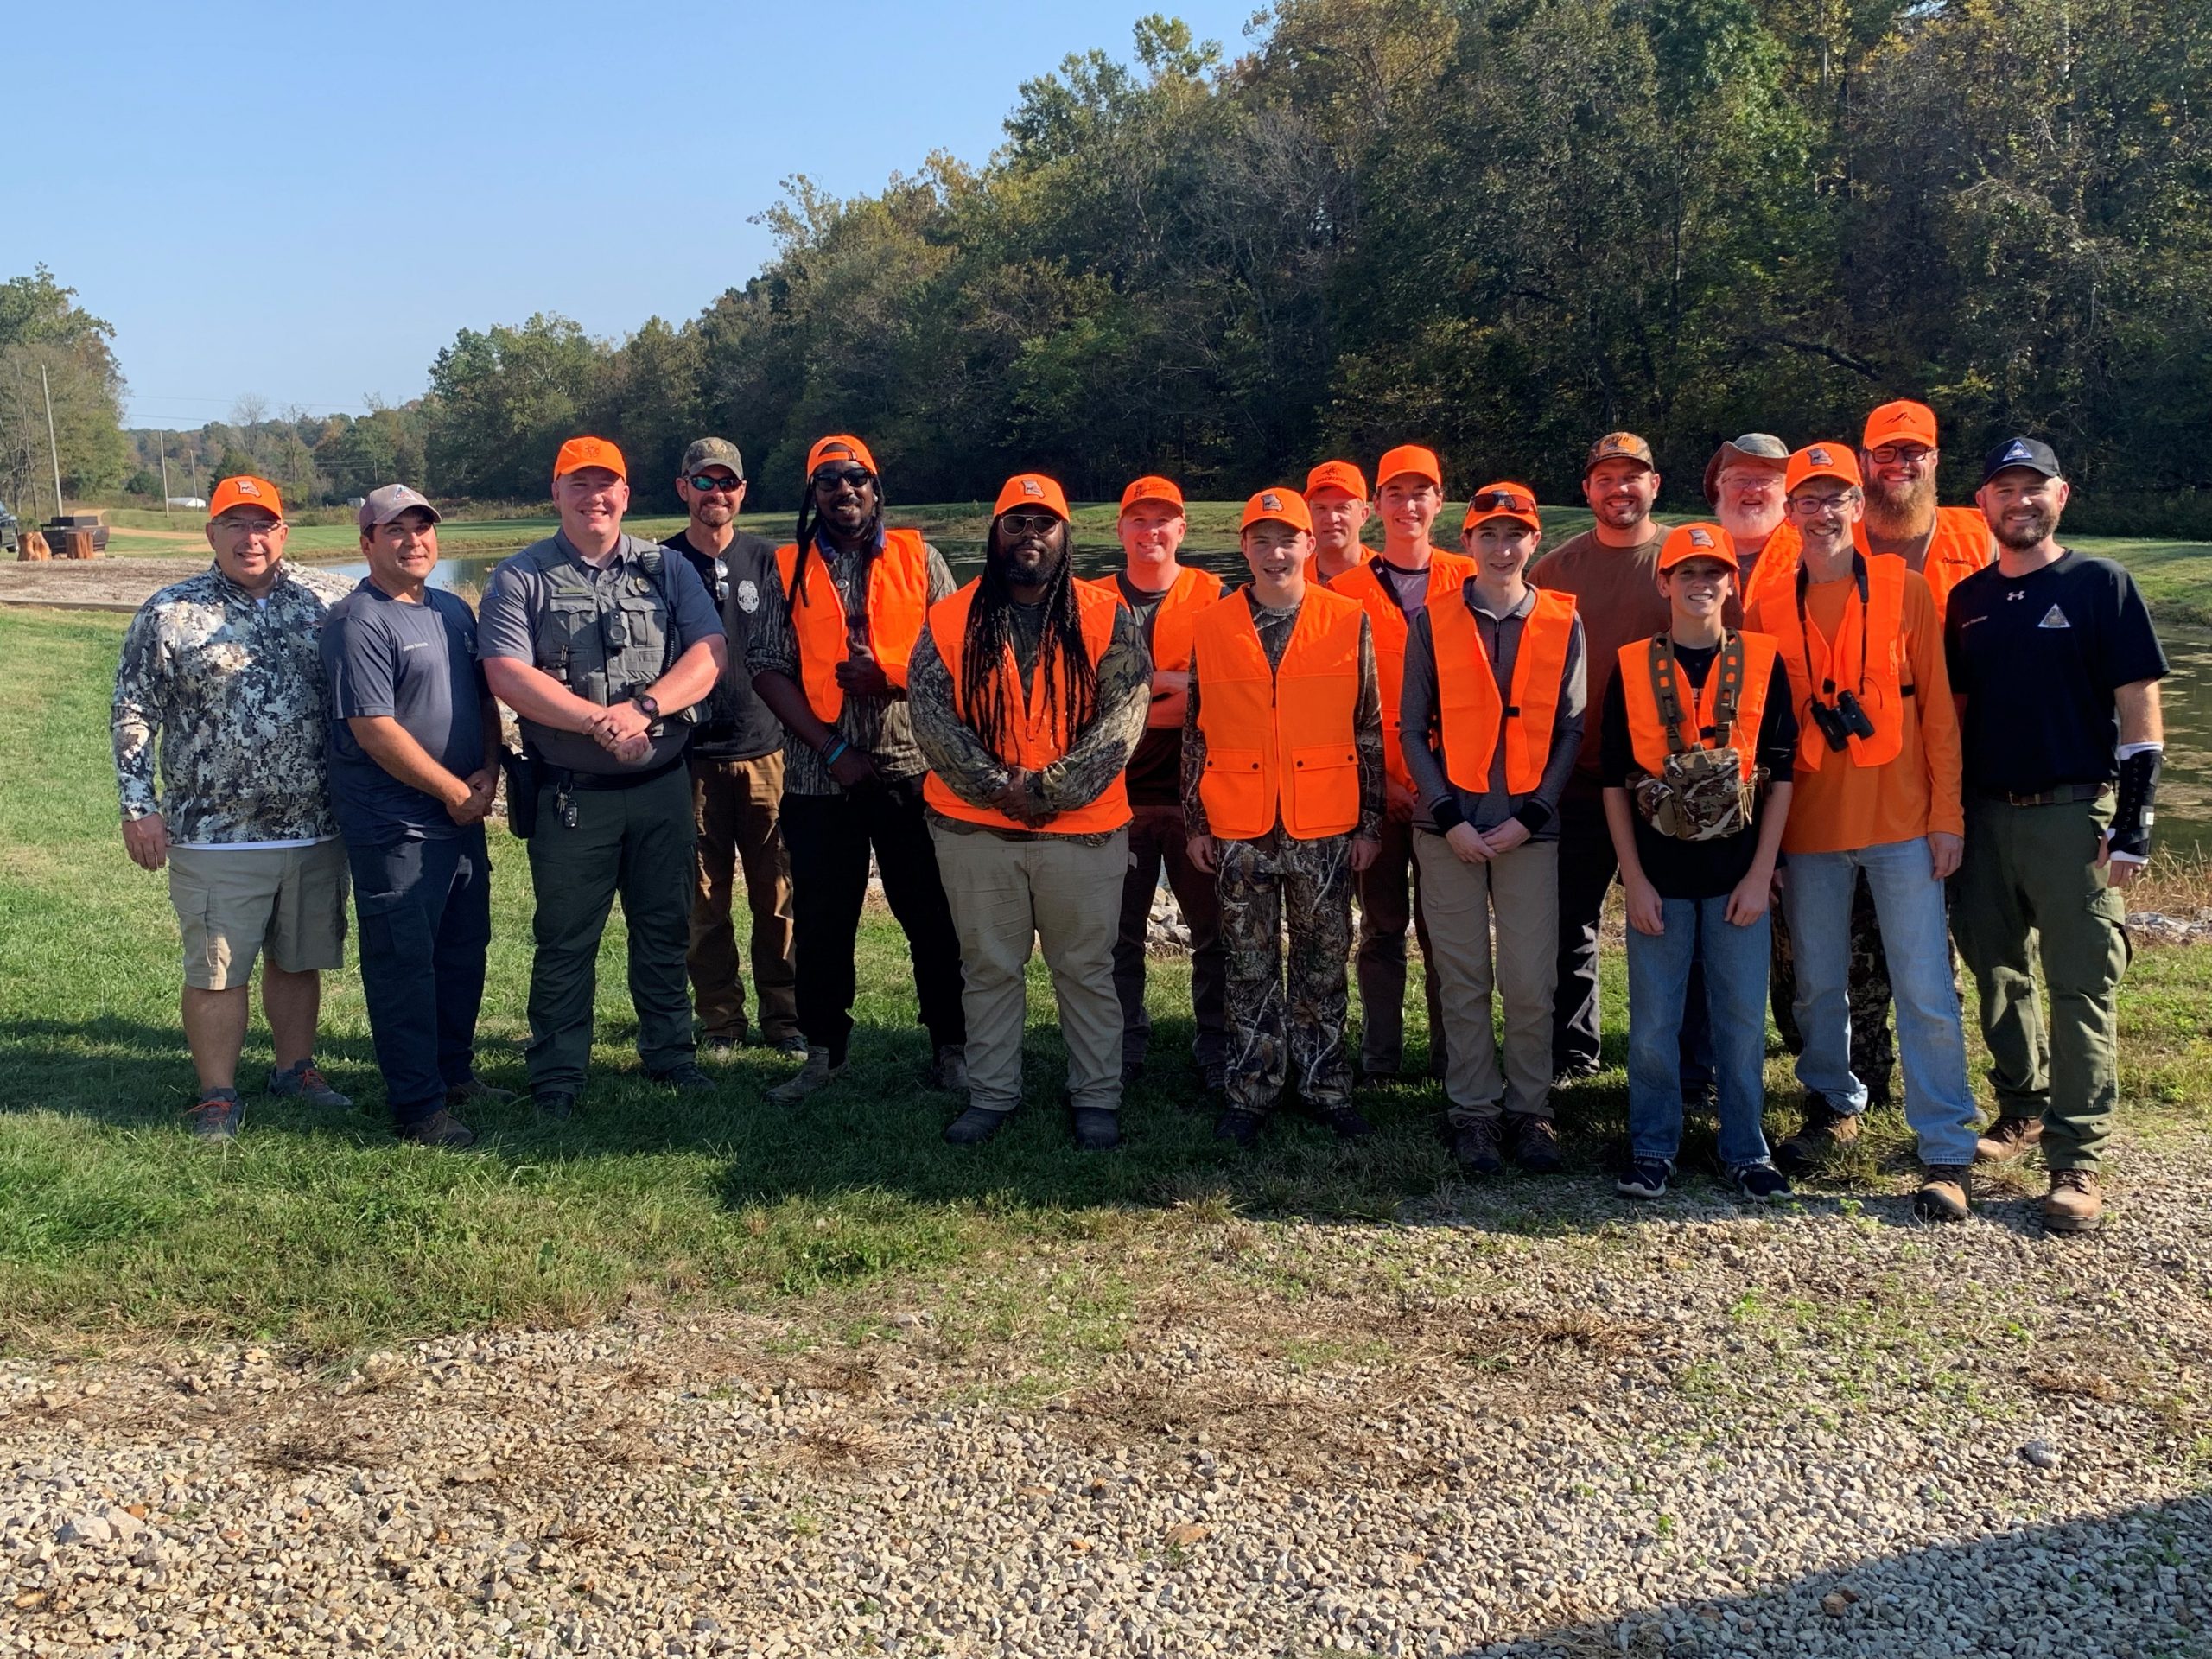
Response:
column 1697, row 869
column 2037, row 659
column 733, row 724
column 1154, row 777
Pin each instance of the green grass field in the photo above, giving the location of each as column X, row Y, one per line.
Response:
column 318, row 1228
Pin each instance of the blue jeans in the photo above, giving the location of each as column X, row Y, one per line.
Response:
column 1734, row 960
column 1916, row 944
column 425, row 907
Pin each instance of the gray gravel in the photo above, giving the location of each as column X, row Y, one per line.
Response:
column 1518, row 1421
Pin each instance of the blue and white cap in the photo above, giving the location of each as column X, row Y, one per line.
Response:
column 2031, row 452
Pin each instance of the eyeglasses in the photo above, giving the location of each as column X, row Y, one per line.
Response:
column 247, row 529
column 1911, row 454
column 707, row 481
column 851, row 477
column 1028, row 524
column 1810, row 506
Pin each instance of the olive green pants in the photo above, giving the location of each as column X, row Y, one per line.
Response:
column 2029, row 892
column 638, row 843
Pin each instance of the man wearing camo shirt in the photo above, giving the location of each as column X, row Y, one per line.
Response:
column 221, row 676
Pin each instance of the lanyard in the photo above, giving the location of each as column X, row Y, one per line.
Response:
column 1805, row 626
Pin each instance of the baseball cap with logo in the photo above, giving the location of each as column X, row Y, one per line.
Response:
column 244, row 491
column 1031, row 490
column 380, row 506
column 1700, row 540
column 839, row 446
column 1153, row 487
column 712, row 451
column 1338, row 475
column 2033, row 452
column 1902, row 422
column 1282, row 504
column 1619, row 445
column 1409, row 458
column 1828, row 459
column 1761, row 447
column 1503, row 500
column 580, row 453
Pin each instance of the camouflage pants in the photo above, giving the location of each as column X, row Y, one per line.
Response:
column 1293, row 1038
column 1873, row 1051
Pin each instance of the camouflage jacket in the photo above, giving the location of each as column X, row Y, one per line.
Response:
column 231, row 692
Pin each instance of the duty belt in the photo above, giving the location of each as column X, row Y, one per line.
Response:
column 565, row 778
column 2066, row 795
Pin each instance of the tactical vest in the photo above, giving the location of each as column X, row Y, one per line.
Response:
column 1040, row 734
column 1446, row 571
column 1701, row 772
column 1470, row 714
column 605, row 638
column 898, row 601
column 1828, row 666
column 1280, row 743
column 1175, row 617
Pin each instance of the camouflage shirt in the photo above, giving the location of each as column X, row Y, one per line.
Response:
column 230, row 690
column 957, row 751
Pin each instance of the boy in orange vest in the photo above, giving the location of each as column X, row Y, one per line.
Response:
column 1282, row 791
column 1695, row 721
column 1029, row 689
column 1490, row 725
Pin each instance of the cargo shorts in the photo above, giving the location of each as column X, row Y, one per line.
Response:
column 232, row 901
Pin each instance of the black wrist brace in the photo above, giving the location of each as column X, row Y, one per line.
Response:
column 2139, row 791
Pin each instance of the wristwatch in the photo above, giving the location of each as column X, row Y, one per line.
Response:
column 645, row 705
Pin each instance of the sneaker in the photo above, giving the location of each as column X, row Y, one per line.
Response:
column 1535, row 1141
column 476, row 1091
column 2076, row 1203
column 440, row 1128
column 553, row 1105
column 791, row 1042
column 976, row 1125
column 1474, row 1146
column 1646, row 1179
column 819, row 1072
column 304, row 1081
column 1568, row 1072
column 2007, row 1139
column 685, row 1078
column 1348, row 1123
column 1761, row 1183
column 949, row 1071
column 1097, row 1129
column 720, row 1048
column 1942, row 1195
column 218, row 1115
column 1240, row 1128
column 1825, row 1131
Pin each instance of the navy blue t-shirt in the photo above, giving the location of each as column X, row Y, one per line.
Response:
column 415, row 664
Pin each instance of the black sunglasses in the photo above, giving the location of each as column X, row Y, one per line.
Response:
column 852, row 477
column 709, row 481
column 1028, row 524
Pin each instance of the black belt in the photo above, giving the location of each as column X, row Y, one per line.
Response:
column 563, row 778
column 2065, row 795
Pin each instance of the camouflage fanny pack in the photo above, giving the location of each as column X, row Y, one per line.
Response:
column 1700, row 793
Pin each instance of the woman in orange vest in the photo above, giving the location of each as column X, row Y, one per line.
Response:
column 1491, row 722
column 1282, row 791
column 1696, row 720
column 1029, row 692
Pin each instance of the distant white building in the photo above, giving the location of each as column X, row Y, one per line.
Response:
column 187, row 501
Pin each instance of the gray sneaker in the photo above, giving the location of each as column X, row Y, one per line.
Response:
column 304, row 1081
column 217, row 1116
column 818, row 1072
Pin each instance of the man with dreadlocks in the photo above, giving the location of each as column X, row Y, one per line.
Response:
column 829, row 652
column 1030, row 691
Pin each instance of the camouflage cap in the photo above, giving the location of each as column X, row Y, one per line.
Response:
column 1619, row 445
column 380, row 506
column 712, row 451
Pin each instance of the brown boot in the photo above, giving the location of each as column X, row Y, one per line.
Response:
column 1826, row 1132
column 1942, row 1195
column 2076, row 1203
column 2007, row 1139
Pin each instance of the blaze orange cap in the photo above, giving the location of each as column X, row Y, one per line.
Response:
column 1704, row 541
column 1153, row 487
column 1338, row 475
column 244, row 491
column 1904, row 421
column 1031, row 490
column 1409, row 458
column 1282, row 504
column 579, row 453
column 1825, row 460
column 839, row 446
column 1503, row 500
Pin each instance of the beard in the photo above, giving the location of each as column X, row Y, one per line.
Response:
column 2013, row 534
column 1904, row 514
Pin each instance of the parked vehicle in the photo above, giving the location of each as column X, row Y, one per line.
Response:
column 8, row 531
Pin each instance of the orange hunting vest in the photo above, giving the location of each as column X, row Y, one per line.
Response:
column 1647, row 732
column 1280, row 743
column 1959, row 548
column 1446, row 571
column 1041, row 735
column 1469, row 708
column 1175, row 616
column 1834, row 664
column 898, row 598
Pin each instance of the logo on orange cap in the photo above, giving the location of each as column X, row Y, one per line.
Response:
column 1503, row 500
column 839, row 446
column 1409, row 458
column 1336, row 475
column 1901, row 419
column 1285, row 507
column 1825, row 460
column 580, row 453
column 244, row 491
column 1025, row 487
column 1704, row 540
column 1153, row 487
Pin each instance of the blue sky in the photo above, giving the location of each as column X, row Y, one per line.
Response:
column 306, row 201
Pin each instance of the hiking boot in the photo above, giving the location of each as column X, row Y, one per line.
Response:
column 1242, row 1128
column 2007, row 1139
column 553, row 1105
column 304, row 1081
column 685, row 1078
column 1534, row 1142
column 2076, row 1203
column 1762, row 1183
column 218, row 1115
column 819, row 1072
column 476, row 1091
column 949, row 1071
column 1646, row 1179
column 978, row 1124
column 790, row 1043
column 1825, row 1131
column 1943, row 1194
column 1474, row 1147
column 1348, row 1123
column 440, row 1128
column 1097, row 1129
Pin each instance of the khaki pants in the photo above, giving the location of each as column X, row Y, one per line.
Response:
column 1519, row 892
column 1068, row 897
column 735, row 805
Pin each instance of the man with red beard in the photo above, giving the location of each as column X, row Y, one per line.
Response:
column 1898, row 456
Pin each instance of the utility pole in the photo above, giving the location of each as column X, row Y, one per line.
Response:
column 160, row 444
column 52, row 450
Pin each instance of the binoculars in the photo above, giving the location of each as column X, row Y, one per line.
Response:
column 1842, row 721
